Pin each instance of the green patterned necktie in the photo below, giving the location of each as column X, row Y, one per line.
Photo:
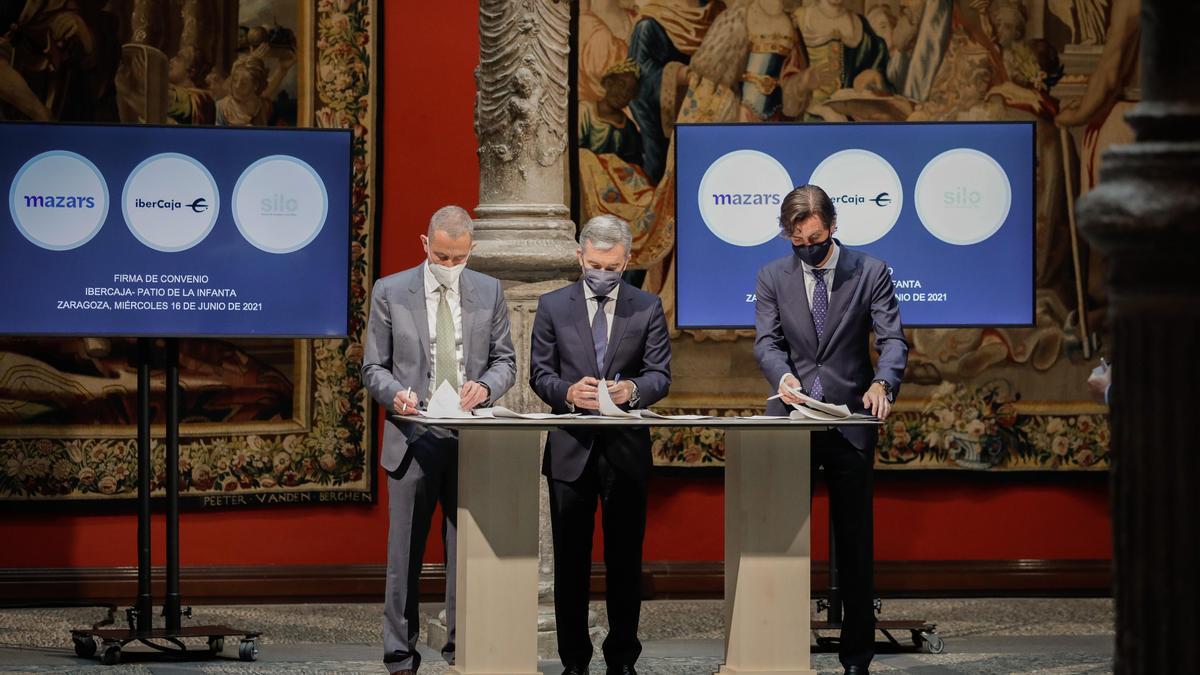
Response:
column 446, row 365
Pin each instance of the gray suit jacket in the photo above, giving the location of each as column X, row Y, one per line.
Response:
column 397, row 353
column 863, row 300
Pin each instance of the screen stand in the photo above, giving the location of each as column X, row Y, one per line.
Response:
column 924, row 634
column 110, row 642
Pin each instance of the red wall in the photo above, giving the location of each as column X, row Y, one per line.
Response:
column 429, row 160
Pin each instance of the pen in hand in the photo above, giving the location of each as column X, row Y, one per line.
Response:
column 404, row 406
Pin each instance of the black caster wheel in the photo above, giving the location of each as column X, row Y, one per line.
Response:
column 111, row 655
column 932, row 644
column 248, row 650
column 85, row 645
column 216, row 643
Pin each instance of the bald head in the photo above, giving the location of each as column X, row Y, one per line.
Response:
column 453, row 220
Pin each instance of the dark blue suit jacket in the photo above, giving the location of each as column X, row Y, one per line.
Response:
column 785, row 341
column 562, row 353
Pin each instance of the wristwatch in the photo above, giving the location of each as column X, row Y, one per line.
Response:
column 887, row 389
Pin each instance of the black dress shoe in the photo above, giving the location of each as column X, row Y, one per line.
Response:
column 621, row 670
column 575, row 670
column 857, row 670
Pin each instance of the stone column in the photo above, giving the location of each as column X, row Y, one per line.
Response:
column 523, row 229
column 1145, row 216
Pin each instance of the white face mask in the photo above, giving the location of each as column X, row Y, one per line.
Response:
column 447, row 276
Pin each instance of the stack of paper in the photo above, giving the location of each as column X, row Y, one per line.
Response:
column 610, row 409
column 500, row 412
column 444, row 404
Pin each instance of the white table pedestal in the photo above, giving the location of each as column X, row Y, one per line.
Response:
column 767, row 552
column 497, row 552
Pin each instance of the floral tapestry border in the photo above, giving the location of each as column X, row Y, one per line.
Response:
column 330, row 462
column 965, row 428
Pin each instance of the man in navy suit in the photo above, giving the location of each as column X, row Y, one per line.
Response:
column 814, row 312
column 599, row 332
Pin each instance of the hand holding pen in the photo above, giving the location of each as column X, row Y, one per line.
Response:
column 405, row 402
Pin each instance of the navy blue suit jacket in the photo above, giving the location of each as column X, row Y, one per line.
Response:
column 562, row 353
column 785, row 341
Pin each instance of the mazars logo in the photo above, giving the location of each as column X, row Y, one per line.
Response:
column 58, row 200
column 170, row 202
column 866, row 191
column 740, row 195
column 963, row 196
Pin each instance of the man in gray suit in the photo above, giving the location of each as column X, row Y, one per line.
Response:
column 434, row 322
column 813, row 315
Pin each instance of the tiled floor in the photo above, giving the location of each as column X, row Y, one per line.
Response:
column 1059, row 636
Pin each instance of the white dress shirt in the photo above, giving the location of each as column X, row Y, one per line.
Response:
column 432, row 297
column 610, row 307
column 810, row 282
column 810, row 279
column 610, row 311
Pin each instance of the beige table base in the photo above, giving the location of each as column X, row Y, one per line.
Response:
column 767, row 552
column 497, row 552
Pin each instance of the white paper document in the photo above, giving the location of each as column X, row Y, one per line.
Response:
column 610, row 409
column 500, row 412
column 443, row 405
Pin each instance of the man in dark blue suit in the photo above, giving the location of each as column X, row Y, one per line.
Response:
column 813, row 316
column 599, row 332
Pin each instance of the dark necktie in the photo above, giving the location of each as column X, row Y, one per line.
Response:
column 600, row 333
column 820, row 311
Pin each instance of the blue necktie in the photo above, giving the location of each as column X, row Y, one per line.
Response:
column 600, row 334
column 820, row 311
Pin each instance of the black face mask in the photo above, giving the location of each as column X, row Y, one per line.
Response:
column 815, row 254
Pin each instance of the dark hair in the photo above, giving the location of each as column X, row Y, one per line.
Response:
column 802, row 203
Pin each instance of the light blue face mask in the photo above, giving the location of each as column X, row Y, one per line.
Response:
column 602, row 282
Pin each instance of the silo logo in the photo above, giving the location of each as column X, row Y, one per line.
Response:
column 740, row 195
column 866, row 191
column 963, row 196
column 170, row 202
column 58, row 200
column 280, row 204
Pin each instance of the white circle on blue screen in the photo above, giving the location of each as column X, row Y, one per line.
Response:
column 58, row 200
column 280, row 204
column 963, row 196
column 866, row 192
column 170, row 202
column 740, row 195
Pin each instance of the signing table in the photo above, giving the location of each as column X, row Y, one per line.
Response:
column 767, row 562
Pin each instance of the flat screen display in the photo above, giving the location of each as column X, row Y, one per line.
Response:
column 174, row 231
column 949, row 207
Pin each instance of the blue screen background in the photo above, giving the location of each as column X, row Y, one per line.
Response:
column 304, row 293
column 989, row 283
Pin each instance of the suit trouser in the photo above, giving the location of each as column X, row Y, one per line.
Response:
column 622, row 499
column 428, row 475
column 848, row 476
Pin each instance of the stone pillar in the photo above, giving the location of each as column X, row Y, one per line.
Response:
column 1145, row 216
column 523, row 229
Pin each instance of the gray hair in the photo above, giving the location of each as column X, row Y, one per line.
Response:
column 453, row 220
column 605, row 231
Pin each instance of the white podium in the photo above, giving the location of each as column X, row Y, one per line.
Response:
column 767, row 543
